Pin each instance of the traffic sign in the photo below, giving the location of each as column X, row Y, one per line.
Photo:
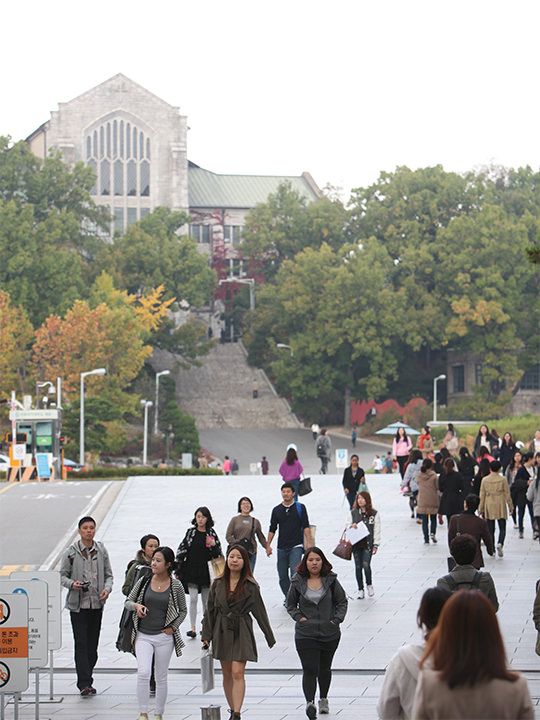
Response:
column 36, row 591
column 52, row 578
column 342, row 460
column 13, row 642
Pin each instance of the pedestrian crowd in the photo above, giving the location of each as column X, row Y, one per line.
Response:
column 440, row 678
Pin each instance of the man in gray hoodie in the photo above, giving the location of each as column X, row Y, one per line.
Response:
column 86, row 573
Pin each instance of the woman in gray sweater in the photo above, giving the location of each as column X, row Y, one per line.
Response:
column 318, row 604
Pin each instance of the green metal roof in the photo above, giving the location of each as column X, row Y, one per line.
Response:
column 210, row 190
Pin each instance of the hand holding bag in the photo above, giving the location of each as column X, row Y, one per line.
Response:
column 344, row 548
column 207, row 670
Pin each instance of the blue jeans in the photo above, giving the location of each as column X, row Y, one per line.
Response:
column 362, row 561
column 432, row 526
column 287, row 561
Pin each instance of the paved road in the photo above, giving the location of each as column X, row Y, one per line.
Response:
column 248, row 446
column 36, row 516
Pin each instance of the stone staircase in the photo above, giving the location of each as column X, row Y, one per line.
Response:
column 219, row 393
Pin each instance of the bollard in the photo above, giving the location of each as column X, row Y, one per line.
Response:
column 212, row 712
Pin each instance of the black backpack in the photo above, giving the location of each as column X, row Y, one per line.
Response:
column 474, row 584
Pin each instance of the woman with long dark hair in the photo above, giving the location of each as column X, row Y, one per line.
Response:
column 291, row 470
column 227, row 624
column 483, row 471
column 158, row 605
column 506, row 450
column 318, row 604
column 466, row 466
column 199, row 546
column 401, row 447
column 468, row 676
column 354, row 479
column 399, row 686
column 510, row 474
column 450, row 440
column 483, row 439
column 451, row 486
column 412, row 469
column 363, row 512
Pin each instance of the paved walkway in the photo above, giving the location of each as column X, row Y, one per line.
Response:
column 374, row 628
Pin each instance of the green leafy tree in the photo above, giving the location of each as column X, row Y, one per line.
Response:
column 103, row 428
column 173, row 420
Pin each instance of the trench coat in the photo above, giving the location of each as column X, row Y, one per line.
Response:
column 428, row 493
column 228, row 625
column 494, row 497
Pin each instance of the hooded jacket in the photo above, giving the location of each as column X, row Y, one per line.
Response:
column 322, row 618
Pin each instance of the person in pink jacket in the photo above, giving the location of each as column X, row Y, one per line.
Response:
column 291, row 470
column 401, row 448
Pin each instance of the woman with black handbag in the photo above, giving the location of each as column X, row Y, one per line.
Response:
column 199, row 546
column 244, row 530
column 158, row 607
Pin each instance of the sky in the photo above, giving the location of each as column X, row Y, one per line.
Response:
column 343, row 89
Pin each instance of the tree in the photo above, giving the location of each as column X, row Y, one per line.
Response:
column 151, row 254
column 16, row 335
column 286, row 224
column 337, row 312
column 46, row 240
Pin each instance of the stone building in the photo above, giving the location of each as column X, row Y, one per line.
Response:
column 137, row 145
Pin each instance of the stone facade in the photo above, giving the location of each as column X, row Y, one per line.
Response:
column 136, row 143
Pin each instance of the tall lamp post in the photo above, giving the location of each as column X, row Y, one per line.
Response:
column 97, row 371
column 440, row 377
column 159, row 374
column 146, row 404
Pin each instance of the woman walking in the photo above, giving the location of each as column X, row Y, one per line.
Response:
column 401, row 447
column 533, row 496
column 200, row 544
column 494, row 497
column 510, row 474
column 318, row 604
column 428, row 499
column 227, row 624
column 483, row 439
column 363, row 512
column 507, row 450
column 399, row 686
column 158, row 605
column 468, row 676
column 353, row 480
column 452, row 489
column 291, row 470
column 244, row 530
column 450, row 441
column 143, row 558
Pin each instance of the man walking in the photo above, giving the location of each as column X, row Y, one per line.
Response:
column 468, row 523
column 323, row 445
column 292, row 519
column 86, row 573
column 465, row 576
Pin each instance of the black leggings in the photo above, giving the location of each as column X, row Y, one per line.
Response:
column 316, row 662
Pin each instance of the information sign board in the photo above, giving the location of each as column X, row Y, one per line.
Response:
column 52, row 578
column 43, row 468
column 36, row 591
column 13, row 642
column 342, row 458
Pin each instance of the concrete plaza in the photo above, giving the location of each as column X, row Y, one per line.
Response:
column 373, row 629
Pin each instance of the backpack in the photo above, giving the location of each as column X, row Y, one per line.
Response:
column 473, row 585
column 321, row 450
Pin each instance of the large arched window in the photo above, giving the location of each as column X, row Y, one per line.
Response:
column 124, row 148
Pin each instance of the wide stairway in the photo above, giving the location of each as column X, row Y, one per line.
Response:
column 219, row 393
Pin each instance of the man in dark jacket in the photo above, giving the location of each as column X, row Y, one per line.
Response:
column 465, row 576
column 469, row 523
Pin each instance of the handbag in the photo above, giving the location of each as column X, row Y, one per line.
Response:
column 207, row 671
column 304, row 487
column 344, row 548
column 245, row 542
column 123, row 641
column 216, row 567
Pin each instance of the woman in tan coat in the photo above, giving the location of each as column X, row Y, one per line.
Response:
column 494, row 498
column 428, row 499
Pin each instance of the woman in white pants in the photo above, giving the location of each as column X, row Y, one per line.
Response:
column 158, row 605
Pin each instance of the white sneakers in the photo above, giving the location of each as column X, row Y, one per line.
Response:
column 359, row 595
column 370, row 590
column 499, row 550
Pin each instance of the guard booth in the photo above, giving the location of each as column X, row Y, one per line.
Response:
column 35, row 454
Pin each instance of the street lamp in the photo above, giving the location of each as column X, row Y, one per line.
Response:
column 48, row 384
column 147, row 404
column 158, row 375
column 288, row 347
column 440, row 377
column 97, row 371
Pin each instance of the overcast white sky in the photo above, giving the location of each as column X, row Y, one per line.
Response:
column 343, row 89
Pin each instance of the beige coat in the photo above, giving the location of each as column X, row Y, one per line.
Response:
column 494, row 497
column 536, row 618
column 501, row 699
column 428, row 493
